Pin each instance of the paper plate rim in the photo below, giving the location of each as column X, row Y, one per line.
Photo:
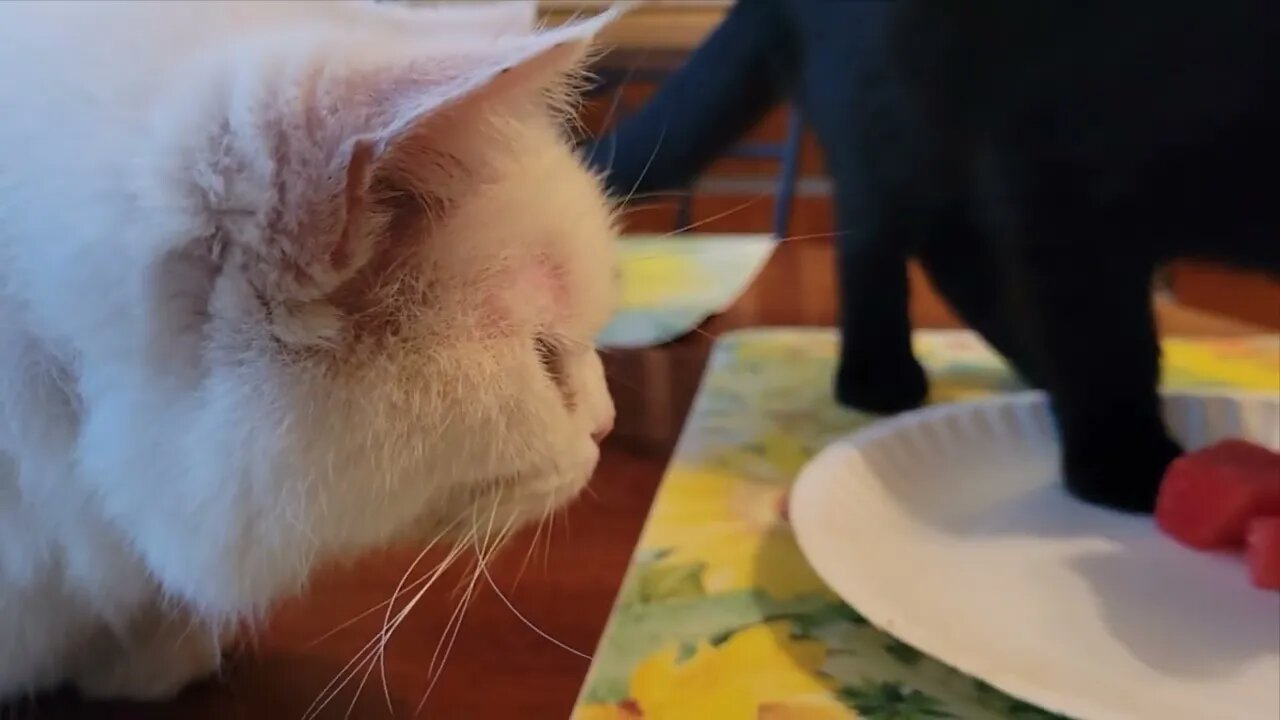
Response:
column 808, row 491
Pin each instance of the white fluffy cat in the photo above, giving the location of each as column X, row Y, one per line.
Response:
column 279, row 282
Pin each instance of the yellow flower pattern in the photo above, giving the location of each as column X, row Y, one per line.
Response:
column 733, row 530
column 759, row 664
column 720, row 617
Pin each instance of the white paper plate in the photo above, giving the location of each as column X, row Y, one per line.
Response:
column 949, row 528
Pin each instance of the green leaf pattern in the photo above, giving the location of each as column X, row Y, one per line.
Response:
column 763, row 410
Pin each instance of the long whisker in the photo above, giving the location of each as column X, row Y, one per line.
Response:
column 386, row 620
column 659, row 194
column 339, row 681
column 400, row 589
column 368, row 653
column 483, row 557
column 526, row 621
column 355, row 697
column 811, row 236
column 493, row 511
column 537, row 533
column 546, row 547
column 613, row 109
column 648, row 164
column 451, row 631
column 737, row 208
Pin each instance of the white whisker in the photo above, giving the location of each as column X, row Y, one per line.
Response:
column 386, row 620
column 526, row 621
column 537, row 533
column 355, row 697
column 648, row 163
column 368, row 653
column 613, row 109
column 394, row 596
column 483, row 555
column 717, row 216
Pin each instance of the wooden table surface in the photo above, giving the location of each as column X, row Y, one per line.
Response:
column 499, row 668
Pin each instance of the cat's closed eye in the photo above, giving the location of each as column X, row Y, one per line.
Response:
column 551, row 356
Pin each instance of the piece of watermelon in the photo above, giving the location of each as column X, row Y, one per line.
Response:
column 1208, row 497
column 1262, row 552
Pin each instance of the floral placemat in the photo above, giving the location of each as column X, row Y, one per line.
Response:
column 670, row 284
column 721, row 618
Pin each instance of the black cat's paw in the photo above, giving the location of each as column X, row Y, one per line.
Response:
column 880, row 387
column 1120, row 475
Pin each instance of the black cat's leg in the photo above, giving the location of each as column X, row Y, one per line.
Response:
column 737, row 75
column 872, row 149
column 1090, row 317
column 877, row 370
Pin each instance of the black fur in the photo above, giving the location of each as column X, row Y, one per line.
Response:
column 1040, row 157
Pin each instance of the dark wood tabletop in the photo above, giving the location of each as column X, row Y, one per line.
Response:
column 499, row 667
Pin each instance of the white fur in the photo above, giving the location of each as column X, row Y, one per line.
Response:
column 272, row 279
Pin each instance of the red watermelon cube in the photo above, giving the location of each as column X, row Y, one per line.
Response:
column 1208, row 497
column 1262, row 552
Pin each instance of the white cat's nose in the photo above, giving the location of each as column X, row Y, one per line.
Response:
column 602, row 431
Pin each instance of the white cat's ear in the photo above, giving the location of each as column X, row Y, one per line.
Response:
column 377, row 110
column 400, row 95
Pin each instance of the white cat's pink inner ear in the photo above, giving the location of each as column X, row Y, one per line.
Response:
column 355, row 198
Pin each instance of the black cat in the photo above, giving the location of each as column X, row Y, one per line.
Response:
column 1040, row 157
